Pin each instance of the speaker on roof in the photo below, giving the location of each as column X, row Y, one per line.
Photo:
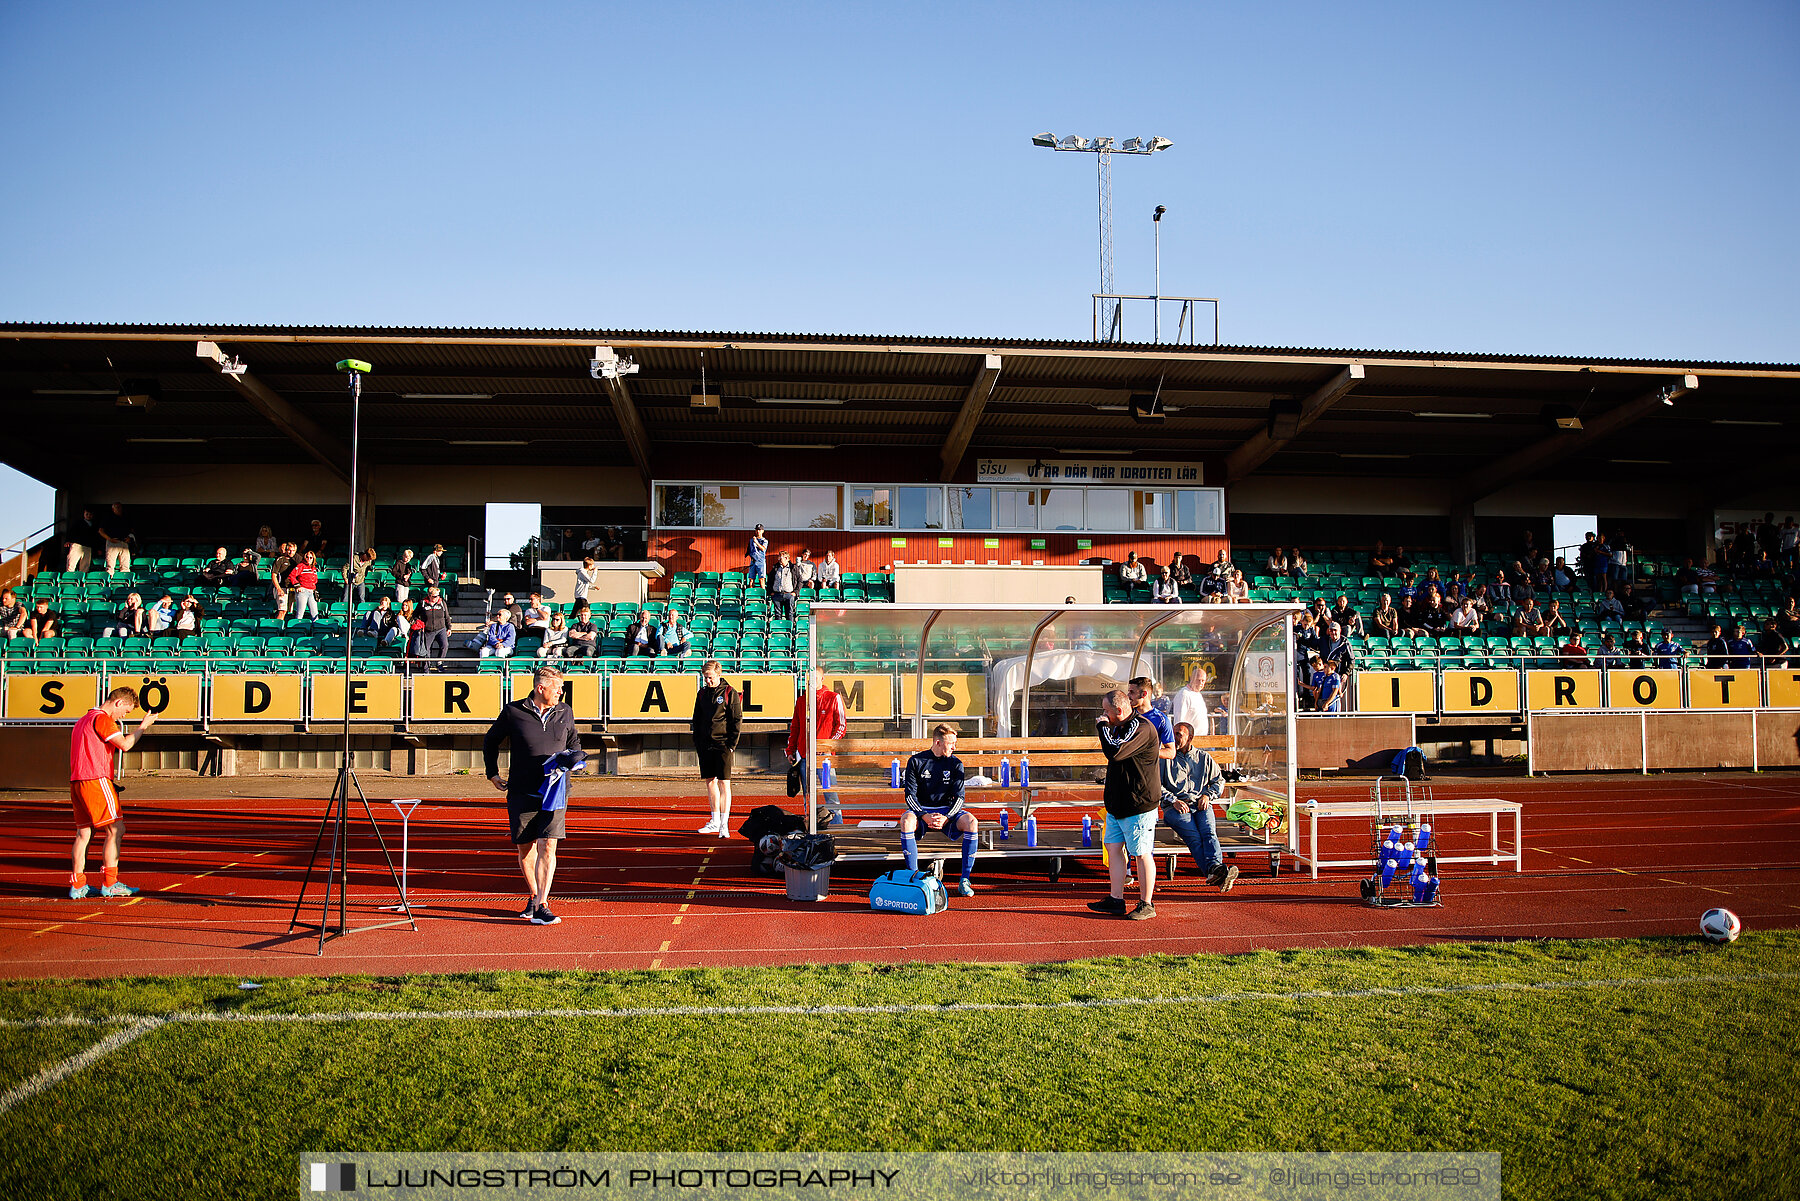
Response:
column 1147, row 406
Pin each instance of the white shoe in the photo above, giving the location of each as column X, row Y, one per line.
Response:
column 711, row 827
column 724, row 831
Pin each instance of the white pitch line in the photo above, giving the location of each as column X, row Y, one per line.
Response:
column 141, row 1025
column 68, row 1067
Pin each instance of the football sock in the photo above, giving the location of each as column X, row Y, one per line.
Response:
column 968, row 856
column 909, row 846
column 77, row 879
column 111, row 876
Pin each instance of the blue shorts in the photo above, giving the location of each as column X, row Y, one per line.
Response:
column 1137, row 832
column 949, row 829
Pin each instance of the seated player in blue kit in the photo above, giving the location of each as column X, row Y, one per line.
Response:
column 934, row 797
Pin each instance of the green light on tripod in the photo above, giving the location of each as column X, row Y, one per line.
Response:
column 355, row 365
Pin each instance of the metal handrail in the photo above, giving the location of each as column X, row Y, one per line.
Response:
column 23, row 546
column 1113, row 316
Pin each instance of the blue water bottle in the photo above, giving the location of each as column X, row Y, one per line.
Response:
column 1024, row 770
column 1031, row 831
column 1388, row 868
column 1005, row 824
column 894, row 774
column 1087, row 829
column 1424, row 838
column 826, row 776
column 1005, row 773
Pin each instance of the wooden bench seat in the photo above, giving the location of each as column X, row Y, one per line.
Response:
column 867, row 844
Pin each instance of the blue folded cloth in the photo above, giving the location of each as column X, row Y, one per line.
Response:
column 557, row 769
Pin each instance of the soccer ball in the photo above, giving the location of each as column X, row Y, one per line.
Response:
column 1720, row 926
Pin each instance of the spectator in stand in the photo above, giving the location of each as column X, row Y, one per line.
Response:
column 640, row 637
column 1298, row 566
column 403, row 570
column 676, row 636
column 1466, row 619
column 1631, row 604
column 591, row 543
column 1602, row 564
column 537, row 615
column 382, row 623
column 431, row 569
column 1554, row 621
column 161, row 615
column 1788, row 620
column 1212, row 588
column 1788, row 542
column 1743, row 651
column 303, row 580
column 1434, row 617
column 1164, row 591
column 130, row 621
column 1328, row 688
column 782, row 586
column 12, row 615
column 1433, row 582
column 1179, row 571
column 1277, row 563
column 1484, row 604
column 1402, row 560
column 1608, row 608
column 1527, row 549
column 1585, row 555
column 498, row 639
column 806, row 572
column 217, row 569
column 1669, row 653
column 584, row 578
column 314, row 540
column 1561, row 578
column 247, row 570
column 1386, row 618
column 515, row 613
column 1381, row 563
column 1500, row 591
column 1636, row 650
column 356, row 579
column 1335, row 649
column 1237, row 591
column 1771, row 646
column 556, row 638
column 1409, row 615
column 1132, row 573
column 266, row 544
column 584, row 635
column 187, row 619
column 1572, row 653
column 1620, row 571
column 830, row 574
column 1687, row 578
column 79, row 541
column 1321, row 612
column 757, row 551
column 41, row 623
column 279, row 566
column 1221, row 562
column 1718, row 648
column 1606, row 655
column 1768, row 536
column 116, row 534
column 433, row 619
column 1308, row 673
column 612, row 546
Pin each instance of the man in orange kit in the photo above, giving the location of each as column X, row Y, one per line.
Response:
column 91, row 788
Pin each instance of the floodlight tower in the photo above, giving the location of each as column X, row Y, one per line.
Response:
column 1103, row 149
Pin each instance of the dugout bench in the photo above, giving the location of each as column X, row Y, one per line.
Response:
column 1080, row 757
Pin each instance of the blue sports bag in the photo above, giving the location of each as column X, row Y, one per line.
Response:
column 901, row 891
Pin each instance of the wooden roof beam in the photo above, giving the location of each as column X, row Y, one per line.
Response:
column 306, row 433
column 1530, row 460
column 1262, row 445
column 962, row 430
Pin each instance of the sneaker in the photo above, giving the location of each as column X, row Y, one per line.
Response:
column 530, row 910
column 1114, row 905
column 1143, row 913
column 1225, row 877
column 118, row 888
column 965, row 889
column 543, row 917
column 79, row 892
column 711, row 827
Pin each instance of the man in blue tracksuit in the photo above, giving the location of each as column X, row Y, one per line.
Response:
column 1744, row 655
column 934, row 798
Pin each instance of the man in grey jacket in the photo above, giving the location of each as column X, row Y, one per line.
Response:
column 1191, row 782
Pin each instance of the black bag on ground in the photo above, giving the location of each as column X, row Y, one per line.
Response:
column 768, row 822
column 1410, row 763
column 807, row 851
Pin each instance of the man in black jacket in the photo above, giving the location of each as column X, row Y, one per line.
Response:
column 1133, row 751
column 538, row 727
column 434, row 634
column 718, row 713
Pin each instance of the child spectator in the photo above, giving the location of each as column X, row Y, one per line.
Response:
column 161, row 616
column 41, row 623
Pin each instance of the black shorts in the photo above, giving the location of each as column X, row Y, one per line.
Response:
column 527, row 821
column 715, row 761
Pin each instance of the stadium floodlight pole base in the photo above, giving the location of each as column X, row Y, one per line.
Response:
column 405, row 810
column 337, row 812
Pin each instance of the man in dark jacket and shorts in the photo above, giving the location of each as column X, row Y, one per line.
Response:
column 718, row 713
column 538, row 727
column 1133, row 753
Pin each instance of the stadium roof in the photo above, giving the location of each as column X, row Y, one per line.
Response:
column 450, row 396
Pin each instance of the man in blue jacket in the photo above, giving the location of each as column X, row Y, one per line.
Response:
column 934, row 798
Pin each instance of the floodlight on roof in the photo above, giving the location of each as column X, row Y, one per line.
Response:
column 1044, row 139
column 1102, row 143
column 1073, row 142
column 1159, row 144
column 1133, row 146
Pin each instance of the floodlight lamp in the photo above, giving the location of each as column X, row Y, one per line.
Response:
column 351, row 365
column 1044, row 139
column 233, row 366
column 1072, row 142
column 1159, row 144
column 1133, row 146
column 1103, row 143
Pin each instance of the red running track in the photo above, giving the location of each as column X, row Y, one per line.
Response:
column 637, row 888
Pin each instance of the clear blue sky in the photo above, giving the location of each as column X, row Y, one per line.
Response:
column 1586, row 179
